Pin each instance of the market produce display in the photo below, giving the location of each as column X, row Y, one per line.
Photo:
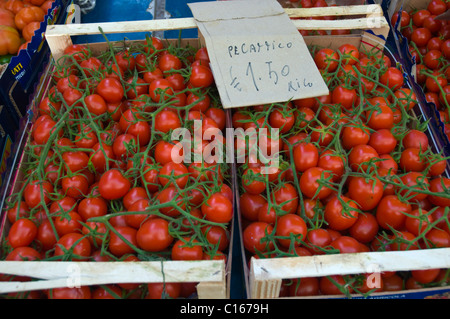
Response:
column 105, row 180
column 429, row 46
column 357, row 174
column 19, row 19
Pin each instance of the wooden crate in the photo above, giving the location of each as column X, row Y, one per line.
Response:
column 263, row 276
column 212, row 276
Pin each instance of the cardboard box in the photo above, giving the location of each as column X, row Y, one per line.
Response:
column 20, row 77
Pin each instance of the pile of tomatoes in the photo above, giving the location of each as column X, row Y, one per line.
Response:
column 429, row 46
column 19, row 19
column 103, row 178
column 357, row 173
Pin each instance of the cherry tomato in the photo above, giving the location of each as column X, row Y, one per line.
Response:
column 111, row 90
column 255, row 235
column 153, row 235
column 187, row 249
column 113, row 185
column 22, row 233
column 341, row 213
column 120, row 247
column 290, row 225
column 391, row 212
column 201, row 76
column 160, row 290
column 313, row 183
column 75, row 243
column 218, row 208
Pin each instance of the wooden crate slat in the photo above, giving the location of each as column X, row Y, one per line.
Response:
column 58, row 36
column 55, row 274
column 349, row 264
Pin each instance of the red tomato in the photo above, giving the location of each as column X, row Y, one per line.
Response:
column 393, row 78
column 308, row 286
column 92, row 207
column 75, row 186
column 167, row 120
column 346, row 97
column 414, row 180
column 120, row 247
column 290, row 225
column 96, row 104
column 349, row 54
column 46, row 235
column 201, row 76
column 255, row 237
column 217, row 236
column 253, row 181
column 341, row 213
column 75, row 243
column 22, row 233
column 437, row 238
column 332, row 285
column 160, row 89
column 108, row 292
column 68, row 223
column 438, row 186
column 19, row 210
column 306, row 155
column 250, row 205
column 163, row 290
column 282, row 118
column 111, row 90
column 367, row 193
column 391, row 212
column 101, row 156
column 383, row 141
column 437, row 7
column 153, row 235
column 346, row 245
column 83, row 292
column 218, row 208
column 331, row 161
column 415, row 139
column 354, row 135
column 33, row 191
column 362, row 157
column 187, row 249
column 418, row 221
column 78, row 51
column 113, row 184
column 365, row 228
column 286, row 197
column 326, row 59
column 172, row 173
column 23, row 253
column 170, row 194
column 313, row 183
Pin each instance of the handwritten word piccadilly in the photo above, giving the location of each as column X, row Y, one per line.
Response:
column 257, row 47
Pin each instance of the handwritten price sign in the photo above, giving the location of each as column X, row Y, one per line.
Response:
column 266, row 73
column 257, row 55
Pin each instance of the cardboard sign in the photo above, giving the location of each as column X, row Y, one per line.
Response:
column 257, row 55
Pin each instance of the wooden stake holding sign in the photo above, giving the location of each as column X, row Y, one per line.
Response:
column 256, row 53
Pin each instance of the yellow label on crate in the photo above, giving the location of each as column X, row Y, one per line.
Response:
column 17, row 68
